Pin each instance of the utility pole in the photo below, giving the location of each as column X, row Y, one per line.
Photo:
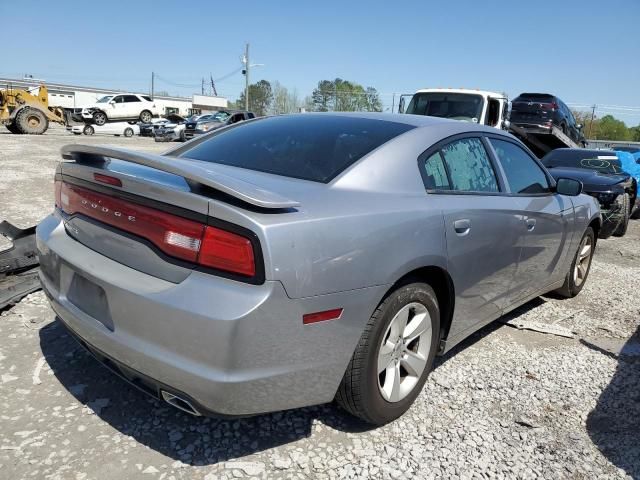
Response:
column 202, row 86
column 153, row 75
column 246, row 77
column 593, row 114
column 214, row 92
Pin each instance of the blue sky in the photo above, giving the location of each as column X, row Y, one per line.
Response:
column 583, row 51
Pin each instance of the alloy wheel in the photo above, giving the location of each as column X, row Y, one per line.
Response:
column 583, row 261
column 403, row 352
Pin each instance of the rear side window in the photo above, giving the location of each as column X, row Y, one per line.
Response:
column 148, row 99
column 131, row 98
column 312, row 147
column 469, row 166
column 435, row 173
column 523, row 174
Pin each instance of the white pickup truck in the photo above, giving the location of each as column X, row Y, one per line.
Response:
column 482, row 107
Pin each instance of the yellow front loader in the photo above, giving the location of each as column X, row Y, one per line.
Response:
column 22, row 111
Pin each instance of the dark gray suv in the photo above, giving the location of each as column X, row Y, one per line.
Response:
column 539, row 112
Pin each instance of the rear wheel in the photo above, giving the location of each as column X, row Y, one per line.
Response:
column 394, row 356
column 88, row 130
column 563, row 127
column 624, row 221
column 145, row 116
column 579, row 271
column 31, row 121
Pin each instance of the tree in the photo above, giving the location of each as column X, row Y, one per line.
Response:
column 284, row 101
column 610, row 128
column 323, row 96
column 634, row 133
column 260, row 98
column 344, row 96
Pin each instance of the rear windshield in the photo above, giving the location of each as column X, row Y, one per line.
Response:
column 310, row 147
column 537, row 97
column 602, row 161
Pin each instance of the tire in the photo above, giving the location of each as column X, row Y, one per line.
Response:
column 563, row 127
column 31, row 121
column 146, row 116
column 128, row 132
column 363, row 387
column 88, row 130
column 573, row 283
column 182, row 138
column 12, row 127
column 100, row 118
column 624, row 223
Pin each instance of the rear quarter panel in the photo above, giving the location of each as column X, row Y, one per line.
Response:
column 367, row 247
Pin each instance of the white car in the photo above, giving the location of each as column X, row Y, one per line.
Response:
column 127, row 106
column 170, row 132
column 116, row 128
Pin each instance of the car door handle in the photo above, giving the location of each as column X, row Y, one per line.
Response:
column 462, row 226
column 531, row 224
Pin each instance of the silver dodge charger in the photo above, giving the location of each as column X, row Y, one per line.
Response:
column 294, row 260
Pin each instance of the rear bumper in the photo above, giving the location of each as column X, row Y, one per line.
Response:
column 234, row 349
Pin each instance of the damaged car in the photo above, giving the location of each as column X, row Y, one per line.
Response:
column 213, row 122
column 601, row 173
column 299, row 259
column 172, row 130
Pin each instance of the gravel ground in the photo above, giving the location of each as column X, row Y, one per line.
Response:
column 506, row 403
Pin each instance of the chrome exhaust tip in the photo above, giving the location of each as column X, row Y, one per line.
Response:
column 179, row 403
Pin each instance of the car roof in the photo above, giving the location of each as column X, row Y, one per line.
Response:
column 405, row 118
column 484, row 93
column 584, row 151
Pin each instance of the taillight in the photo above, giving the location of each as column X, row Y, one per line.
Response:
column 57, row 185
column 227, row 251
column 176, row 236
column 108, row 179
column 549, row 106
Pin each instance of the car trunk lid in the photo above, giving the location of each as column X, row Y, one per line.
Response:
column 155, row 213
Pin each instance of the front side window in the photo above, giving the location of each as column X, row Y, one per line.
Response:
column 523, row 174
column 118, row 99
column 469, row 166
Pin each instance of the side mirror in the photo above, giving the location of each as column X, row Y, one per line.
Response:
column 112, row 102
column 579, row 126
column 568, row 186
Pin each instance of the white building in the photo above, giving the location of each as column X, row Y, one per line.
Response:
column 72, row 97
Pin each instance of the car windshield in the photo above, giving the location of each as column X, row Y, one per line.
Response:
column 307, row 146
column 456, row 106
column 220, row 116
column 105, row 99
column 601, row 161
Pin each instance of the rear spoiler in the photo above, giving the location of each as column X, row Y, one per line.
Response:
column 184, row 167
